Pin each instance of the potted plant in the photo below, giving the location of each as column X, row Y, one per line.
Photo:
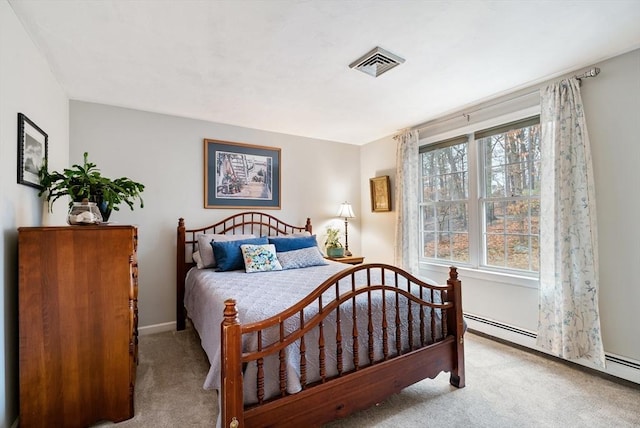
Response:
column 86, row 182
column 332, row 244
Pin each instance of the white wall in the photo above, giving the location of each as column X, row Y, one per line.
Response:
column 27, row 86
column 378, row 233
column 166, row 154
column 612, row 107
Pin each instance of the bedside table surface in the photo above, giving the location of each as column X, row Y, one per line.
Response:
column 352, row 260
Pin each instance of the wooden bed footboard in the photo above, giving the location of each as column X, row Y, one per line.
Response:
column 420, row 338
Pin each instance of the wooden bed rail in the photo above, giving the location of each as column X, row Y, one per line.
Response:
column 433, row 304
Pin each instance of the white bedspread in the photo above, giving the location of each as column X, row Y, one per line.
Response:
column 258, row 296
column 261, row 295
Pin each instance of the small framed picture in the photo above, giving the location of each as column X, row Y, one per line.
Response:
column 33, row 146
column 240, row 175
column 380, row 194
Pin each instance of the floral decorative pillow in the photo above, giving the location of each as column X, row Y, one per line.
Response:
column 260, row 258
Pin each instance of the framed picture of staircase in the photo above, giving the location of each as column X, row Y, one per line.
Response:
column 238, row 175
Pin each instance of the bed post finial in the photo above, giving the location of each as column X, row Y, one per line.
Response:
column 230, row 312
column 307, row 226
column 180, row 222
column 453, row 273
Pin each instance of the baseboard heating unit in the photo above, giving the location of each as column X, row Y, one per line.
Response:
column 618, row 366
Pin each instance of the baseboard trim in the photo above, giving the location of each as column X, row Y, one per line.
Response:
column 617, row 366
column 157, row 328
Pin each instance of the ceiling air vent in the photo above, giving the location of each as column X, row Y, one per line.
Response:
column 376, row 62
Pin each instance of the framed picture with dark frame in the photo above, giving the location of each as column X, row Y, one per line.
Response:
column 33, row 149
column 380, row 194
column 238, row 175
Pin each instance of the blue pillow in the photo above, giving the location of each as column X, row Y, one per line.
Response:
column 228, row 255
column 290, row 244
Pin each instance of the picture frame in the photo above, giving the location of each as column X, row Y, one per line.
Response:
column 238, row 175
column 380, row 194
column 33, row 151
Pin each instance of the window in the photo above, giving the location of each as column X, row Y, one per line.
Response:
column 445, row 201
column 480, row 198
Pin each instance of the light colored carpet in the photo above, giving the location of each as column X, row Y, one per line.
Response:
column 169, row 394
column 506, row 387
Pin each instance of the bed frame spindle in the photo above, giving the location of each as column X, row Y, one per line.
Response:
column 303, row 353
column 422, row 325
column 445, row 330
column 321, row 345
column 432, row 314
column 410, row 321
column 385, row 327
column 354, row 319
column 260, row 363
column 398, row 326
column 370, row 328
column 338, row 334
column 283, row 372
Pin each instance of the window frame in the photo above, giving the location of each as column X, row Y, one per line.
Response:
column 483, row 198
column 435, row 203
column 475, row 266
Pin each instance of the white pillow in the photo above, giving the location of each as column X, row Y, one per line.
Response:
column 205, row 251
column 198, row 260
column 304, row 257
column 292, row 235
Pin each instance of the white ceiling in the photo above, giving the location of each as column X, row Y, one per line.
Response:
column 282, row 65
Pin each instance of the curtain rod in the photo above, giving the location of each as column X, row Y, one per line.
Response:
column 592, row 72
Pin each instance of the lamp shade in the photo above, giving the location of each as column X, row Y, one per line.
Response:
column 346, row 211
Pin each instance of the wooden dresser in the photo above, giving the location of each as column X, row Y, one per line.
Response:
column 78, row 290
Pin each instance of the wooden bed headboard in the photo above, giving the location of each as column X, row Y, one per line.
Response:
column 250, row 222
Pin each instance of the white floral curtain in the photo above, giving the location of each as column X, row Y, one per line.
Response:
column 569, row 320
column 407, row 197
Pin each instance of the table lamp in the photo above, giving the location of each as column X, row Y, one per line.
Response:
column 346, row 212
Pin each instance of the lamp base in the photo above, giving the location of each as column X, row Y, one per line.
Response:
column 347, row 253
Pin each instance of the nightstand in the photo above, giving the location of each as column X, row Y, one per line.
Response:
column 352, row 260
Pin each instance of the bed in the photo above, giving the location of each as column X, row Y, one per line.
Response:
column 309, row 344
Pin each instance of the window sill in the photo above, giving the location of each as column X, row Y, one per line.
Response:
column 485, row 275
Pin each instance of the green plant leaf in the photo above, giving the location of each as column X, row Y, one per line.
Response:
column 86, row 181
